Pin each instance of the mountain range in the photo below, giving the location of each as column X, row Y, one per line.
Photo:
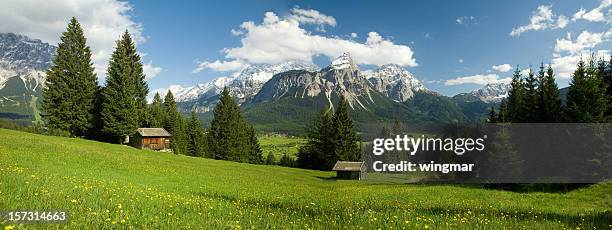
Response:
column 23, row 62
column 280, row 97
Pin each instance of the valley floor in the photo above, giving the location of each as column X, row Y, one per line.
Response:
column 105, row 186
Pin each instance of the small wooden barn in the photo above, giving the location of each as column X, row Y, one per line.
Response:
column 151, row 138
column 350, row 170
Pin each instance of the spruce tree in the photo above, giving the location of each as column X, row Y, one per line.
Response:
column 318, row 152
column 492, row 116
column 119, row 109
column 550, row 102
column 516, row 106
column 532, row 97
column 607, row 77
column 347, row 145
column 255, row 153
column 157, row 112
column 71, row 87
column 171, row 112
column 196, row 139
column 586, row 100
column 227, row 137
column 180, row 140
column 502, row 115
column 141, row 89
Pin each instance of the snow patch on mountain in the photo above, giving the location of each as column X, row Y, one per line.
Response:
column 394, row 82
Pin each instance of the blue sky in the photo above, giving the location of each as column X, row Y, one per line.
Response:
column 451, row 46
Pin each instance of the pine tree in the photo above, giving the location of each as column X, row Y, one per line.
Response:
column 180, row 140
column 492, row 116
column 516, row 106
column 196, row 139
column 550, row 100
column 605, row 70
column 119, row 107
column 608, row 82
column 316, row 153
column 141, row 89
column 586, row 101
column 502, row 116
column 71, row 87
column 227, row 137
column 347, row 146
column 171, row 112
column 255, row 153
column 532, row 97
column 157, row 112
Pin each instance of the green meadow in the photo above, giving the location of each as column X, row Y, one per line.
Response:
column 278, row 145
column 106, row 186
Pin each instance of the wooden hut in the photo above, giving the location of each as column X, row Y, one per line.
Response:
column 151, row 138
column 350, row 170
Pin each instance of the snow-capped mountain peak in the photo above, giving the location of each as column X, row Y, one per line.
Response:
column 395, row 82
column 343, row 61
column 492, row 92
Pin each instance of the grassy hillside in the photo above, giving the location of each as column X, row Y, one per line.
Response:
column 107, row 186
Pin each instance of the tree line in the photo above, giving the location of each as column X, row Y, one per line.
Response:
column 75, row 103
column 536, row 98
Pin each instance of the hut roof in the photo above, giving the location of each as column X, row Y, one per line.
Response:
column 153, row 132
column 348, row 166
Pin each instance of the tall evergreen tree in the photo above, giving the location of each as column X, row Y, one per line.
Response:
column 157, row 112
column 255, row 153
column 227, row 139
column 532, row 97
column 492, row 116
column 550, row 100
column 196, row 139
column 316, row 153
column 608, row 81
column 119, row 109
column 71, row 87
column 502, row 116
column 516, row 105
column 347, row 145
column 180, row 140
column 141, row 89
column 171, row 112
column 586, row 100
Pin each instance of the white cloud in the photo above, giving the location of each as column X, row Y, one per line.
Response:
column 597, row 14
column 564, row 65
column 478, row 79
column 102, row 20
column 541, row 19
column 175, row 89
column 585, row 40
column 465, row 20
column 353, row 35
column 303, row 16
column 460, row 60
column 568, row 52
column 502, row 68
column 278, row 39
column 150, row 70
column 219, row 66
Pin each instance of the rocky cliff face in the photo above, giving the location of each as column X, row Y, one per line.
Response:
column 395, row 82
column 341, row 78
